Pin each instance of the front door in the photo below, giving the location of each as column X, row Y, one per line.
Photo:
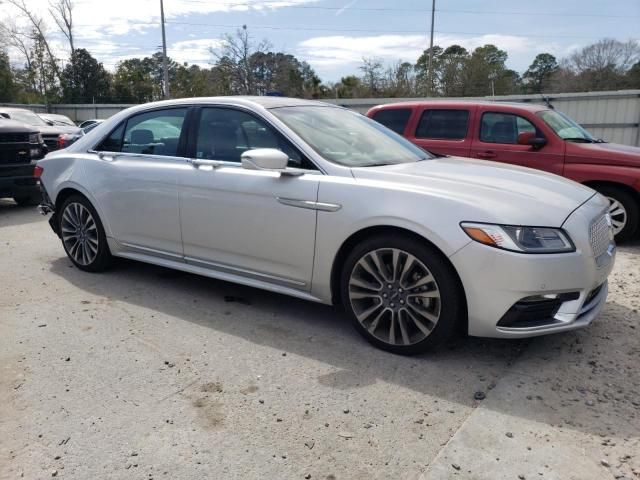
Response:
column 247, row 222
column 497, row 140
column 134, row 179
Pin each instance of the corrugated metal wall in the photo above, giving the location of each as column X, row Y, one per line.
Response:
column 612, row 116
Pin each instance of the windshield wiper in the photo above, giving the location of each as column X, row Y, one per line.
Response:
column 579, row 139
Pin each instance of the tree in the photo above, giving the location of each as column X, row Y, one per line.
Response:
column 633, row 76
column 539, row 74
column 235, row 54
column 422, row 71
column 132, row 82
column 62, row 13
column 601, row 65
column 84, row 80
column 485, row 67
column 7, row 83
column 372, row 76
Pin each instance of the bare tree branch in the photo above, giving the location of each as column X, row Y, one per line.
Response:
column 62, row 13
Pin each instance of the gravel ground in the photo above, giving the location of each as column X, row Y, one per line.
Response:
column 144, row 373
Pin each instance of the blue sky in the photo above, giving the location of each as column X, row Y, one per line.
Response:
column 334, row 35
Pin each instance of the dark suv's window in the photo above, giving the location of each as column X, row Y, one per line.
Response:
column 394, row 118
column 504, row 128
column 443, row 124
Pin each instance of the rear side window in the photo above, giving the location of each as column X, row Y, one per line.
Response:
column 504, row 128
column 394, row 118
column 443, row 124
column 151, row 133
column 154, row 133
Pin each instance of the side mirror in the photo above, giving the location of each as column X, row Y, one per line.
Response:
column 265, row 159
column 529, row 138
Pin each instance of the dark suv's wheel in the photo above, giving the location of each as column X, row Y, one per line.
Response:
column 623, row 210
column 82, row 235
column 401, row 294
column 27, row 200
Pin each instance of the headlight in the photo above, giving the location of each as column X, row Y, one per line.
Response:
column 35, row 138
column 520, row 239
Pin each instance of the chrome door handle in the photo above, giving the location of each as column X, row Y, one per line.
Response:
column 197, row 162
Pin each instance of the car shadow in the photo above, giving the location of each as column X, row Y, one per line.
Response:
column 12, row 214
column 561, row 365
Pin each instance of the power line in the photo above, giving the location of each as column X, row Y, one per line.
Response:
column 347, row 30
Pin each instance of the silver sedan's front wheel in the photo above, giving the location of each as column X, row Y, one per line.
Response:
column 82, row 234
column 402, row 294
column 394, row 296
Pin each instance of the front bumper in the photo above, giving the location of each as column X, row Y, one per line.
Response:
column 496, row 281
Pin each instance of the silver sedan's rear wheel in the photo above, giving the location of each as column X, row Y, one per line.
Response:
column 394, row 296
column 82, row 235
column 79, row 233
column 402, row 294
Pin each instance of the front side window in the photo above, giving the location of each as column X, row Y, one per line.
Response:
column 443, row 124
column 225, row 134
column 504, row 128
column 348, row 138
column 394, row 118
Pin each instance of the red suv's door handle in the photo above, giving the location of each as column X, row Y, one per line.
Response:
column 487, row 154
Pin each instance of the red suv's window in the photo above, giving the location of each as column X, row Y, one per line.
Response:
column 443, row 124
column 394, row 118
column 504, row 127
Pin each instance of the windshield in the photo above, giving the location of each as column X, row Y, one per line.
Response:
column 565, row 127
column 27, row 117
column 348, row 138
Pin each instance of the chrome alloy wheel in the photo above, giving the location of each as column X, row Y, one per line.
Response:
column 618, row 215
column 394, row 296
column 79, row 233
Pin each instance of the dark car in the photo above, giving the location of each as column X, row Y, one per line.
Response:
column 50, row 133
column 20, row 147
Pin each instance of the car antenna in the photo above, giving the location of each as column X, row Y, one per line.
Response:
column 547, row 102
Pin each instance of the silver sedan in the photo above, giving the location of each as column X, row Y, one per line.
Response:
column 321, row 203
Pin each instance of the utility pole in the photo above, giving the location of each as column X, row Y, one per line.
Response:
column 430, row 73
column 165, row 67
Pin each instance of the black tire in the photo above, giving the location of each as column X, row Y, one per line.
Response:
column 630, row 204
column 27, row 200
column 102, row 258
column 450, row 302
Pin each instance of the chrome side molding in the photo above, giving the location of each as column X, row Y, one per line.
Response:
column 309, row 204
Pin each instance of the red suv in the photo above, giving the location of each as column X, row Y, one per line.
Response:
column 529, row 135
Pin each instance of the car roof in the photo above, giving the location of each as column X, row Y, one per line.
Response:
column 13, row 109
column 533, row 107
column 249, row 101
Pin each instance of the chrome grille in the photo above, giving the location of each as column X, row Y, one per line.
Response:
column 599, row 236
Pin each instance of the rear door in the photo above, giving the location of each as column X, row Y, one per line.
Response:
column 134, row 179
column 496, row 139
column 444, row 131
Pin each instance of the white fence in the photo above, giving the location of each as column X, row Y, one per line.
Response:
column 613, row 116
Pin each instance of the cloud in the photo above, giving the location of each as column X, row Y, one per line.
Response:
column 194, row 51
column 328, row 54
column 99, row 23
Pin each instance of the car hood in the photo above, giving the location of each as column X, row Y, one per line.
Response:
column 57, row 129
column 494, row 192
column 604, row 154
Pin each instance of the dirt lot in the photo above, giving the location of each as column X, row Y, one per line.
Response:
column 145, row 373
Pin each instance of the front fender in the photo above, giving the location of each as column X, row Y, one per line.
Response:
column 587, row 172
